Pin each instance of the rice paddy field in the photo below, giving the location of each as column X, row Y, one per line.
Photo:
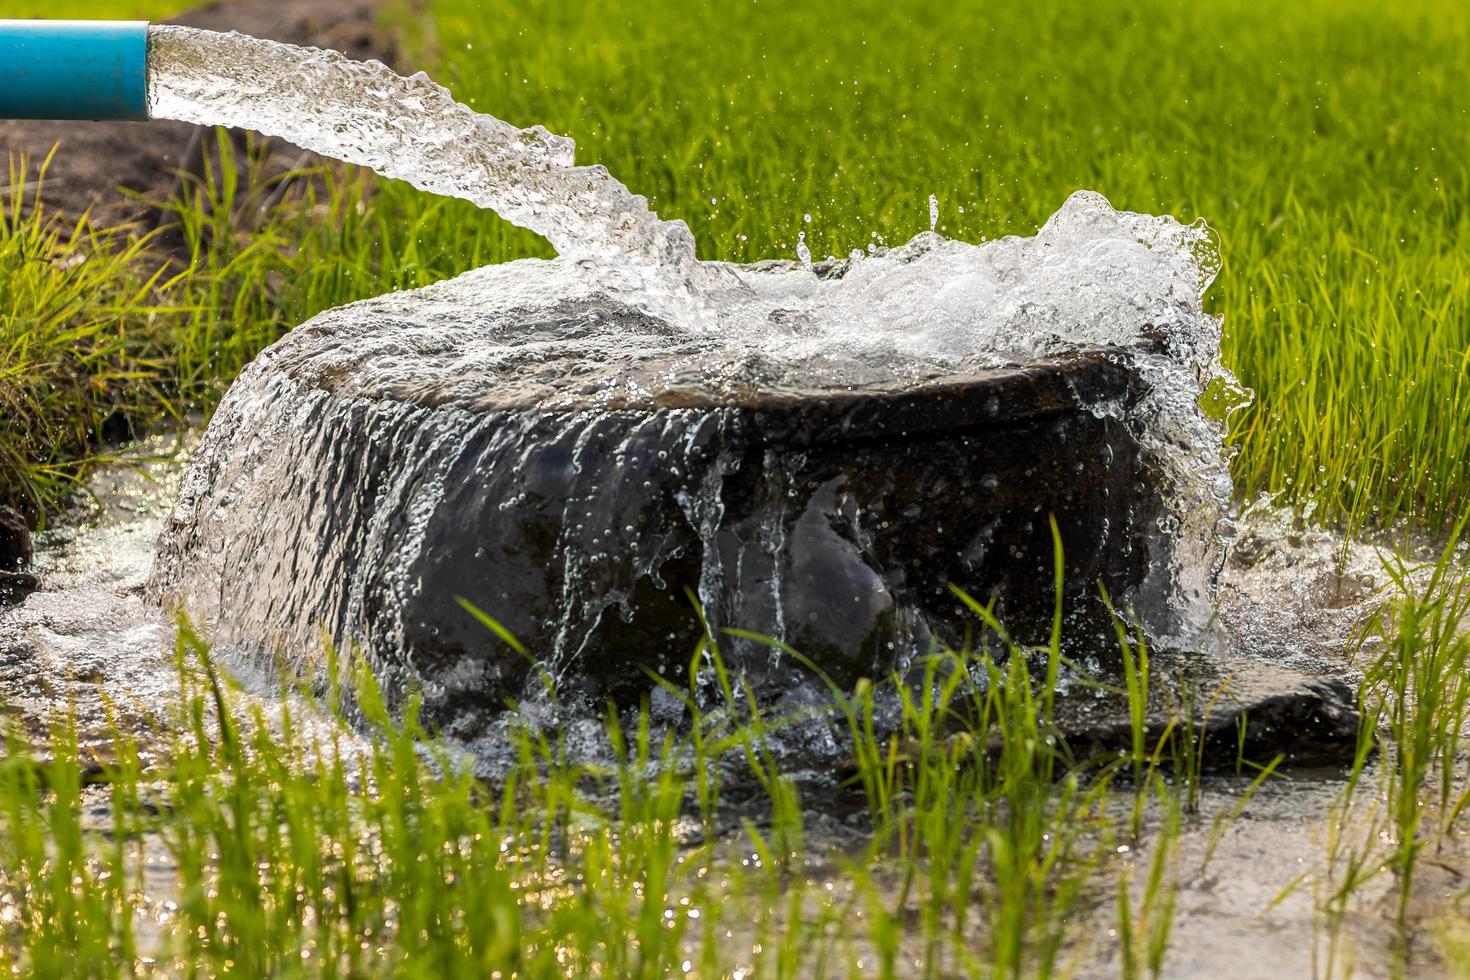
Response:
column 1327, row 143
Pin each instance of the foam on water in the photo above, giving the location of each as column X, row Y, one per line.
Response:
column 1091, row 278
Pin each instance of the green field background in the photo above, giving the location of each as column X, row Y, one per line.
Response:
column 1326, row 141
column 93, row 9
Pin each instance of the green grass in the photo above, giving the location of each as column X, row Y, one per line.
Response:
column 81, row 346
column 307, row 845
column 304, row 847
column 1326, row 141
column 1395, row 812
column 96, row 9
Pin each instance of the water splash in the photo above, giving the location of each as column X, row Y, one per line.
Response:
column 803, row 251
column 933, row 212
column 1091, row 278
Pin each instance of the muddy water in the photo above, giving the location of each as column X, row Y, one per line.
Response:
column 89, row 639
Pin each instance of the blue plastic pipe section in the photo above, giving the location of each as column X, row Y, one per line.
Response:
column 73, row 69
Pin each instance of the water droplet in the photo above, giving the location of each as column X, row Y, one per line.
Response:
column 802, row 251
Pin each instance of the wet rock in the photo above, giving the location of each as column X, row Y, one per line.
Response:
column 15, row 557
column 15, row 541
column 1241, row 708
column 15, row 586
column 578, row 471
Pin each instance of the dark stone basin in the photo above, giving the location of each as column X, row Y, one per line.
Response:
column 834, row 522
column 389, row 459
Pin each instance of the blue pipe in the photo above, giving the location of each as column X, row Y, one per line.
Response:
column 73, row 69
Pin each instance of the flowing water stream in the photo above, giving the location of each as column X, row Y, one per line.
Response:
column 1092, row 278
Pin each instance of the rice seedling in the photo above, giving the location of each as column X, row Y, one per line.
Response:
column 1406, row 790
column 79, row 344
column 1143, row 936
column 299, row 844
column 1419, row 678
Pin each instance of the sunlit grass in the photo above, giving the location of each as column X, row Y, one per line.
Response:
column 1327, row 142
column 1405, row 796
column 95, row 9
column 303, row 846
column 80, row 344
column 1397, row 822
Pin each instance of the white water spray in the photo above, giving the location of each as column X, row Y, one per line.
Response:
column 803, row 251
column 1092, row 277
